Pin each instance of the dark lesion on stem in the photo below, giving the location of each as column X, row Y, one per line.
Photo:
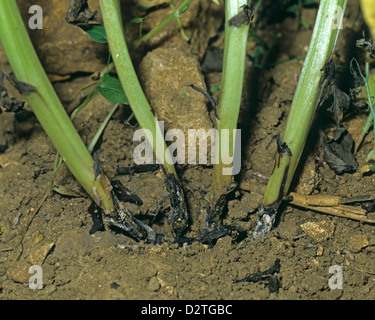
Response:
column 215, row 208
column 244, row 16
column 179, row 217
column 126, row 221
column 213, row 224
column 122, row 217
column 282, row 147
column 98, row 170
column 268, row 213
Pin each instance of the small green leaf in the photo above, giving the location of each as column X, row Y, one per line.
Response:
column 308, row 2
column 137, row 19
column 111, row 89
column 65, row 191
column 215, row 88
column 292, row 8
column 305, row 24
column 96, row 32
column 185, row 7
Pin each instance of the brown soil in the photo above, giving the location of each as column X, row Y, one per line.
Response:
column 108, row 265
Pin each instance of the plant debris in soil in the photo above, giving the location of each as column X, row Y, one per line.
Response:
column 338, row 151
column 214, row 103
column 8, row 103
column 79, row 13
column 137, row 169
column 269, row 275
column 97, row 218
column 124, row 194
column 341, row 101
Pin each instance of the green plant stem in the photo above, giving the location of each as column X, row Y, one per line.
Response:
column 230, row 95
column 305, row 102
column 107, row 69
column 178, row 19
column 111, row 13
column 174, row 15
column 364, row 131
column 368, row 90
column 101, row 129
column 83, row 105
column 46, row 104
column 369, row 81
column 371, row 119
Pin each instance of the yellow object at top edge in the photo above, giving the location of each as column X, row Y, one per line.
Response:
column 368, row 10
